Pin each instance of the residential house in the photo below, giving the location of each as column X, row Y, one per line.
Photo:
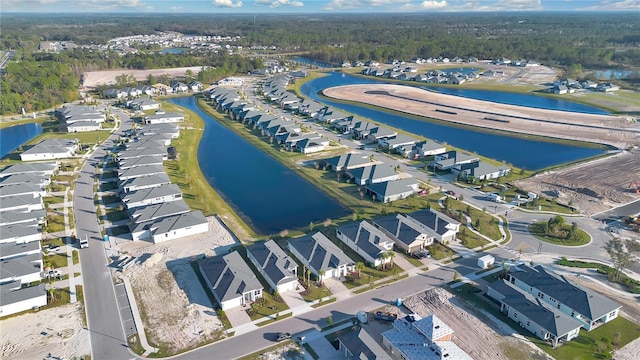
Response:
column 25, row 269
column 452, row 158
column 142, row 152
column 317, row 253
column 164, row 118
column 329, row 115
column 196, row 86
column 144, row 182
column 408, row 234
column 51, row 149
column 542, row 319
column 231, row 81
column 397, row 141
column 144, row 104
column 480, row 170
column 171, row 227
column 372, row 174
column 421, row 149
column 358, row 344
column 230, row 280
column 139, row 171
column 163, row 89
column 40, row 180
column 35, row 217
column 43, row 168
column 20, row 233
column 346, row 162
column 157, row 211
column 83, row 126
column 443, row 228
column 179, row 87
column 425, row 339
column 114, row 94
column 607, row 87
column 151, row 196
column 368, row 241
column 388, row 191
column 21, row 203
column 586, row 306
column 141, row 161
column 380, row 133
column 16, row 298
column 311, row 144
column 277, row 268
column 22, row 189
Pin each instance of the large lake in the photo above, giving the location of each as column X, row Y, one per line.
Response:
column 266, row 194
column 15, row 136
column 521, row 152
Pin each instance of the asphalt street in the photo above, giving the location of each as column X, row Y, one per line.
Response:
column 103, row 316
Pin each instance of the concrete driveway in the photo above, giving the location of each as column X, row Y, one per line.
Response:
column 293, row 299
column 238, row 316
column 337, row 288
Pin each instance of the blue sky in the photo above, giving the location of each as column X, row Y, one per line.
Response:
column 315, row 6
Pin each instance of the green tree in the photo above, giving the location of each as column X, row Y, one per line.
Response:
column 359, row 267
column 621, row 257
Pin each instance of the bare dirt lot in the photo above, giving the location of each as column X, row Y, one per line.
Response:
column 55, row 331
column 166, row 273
column 108, row 77
column 593, row 186
column 471, row 334
column 619, row 131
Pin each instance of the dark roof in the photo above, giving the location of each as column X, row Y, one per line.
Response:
column 229, row 275
column 433, row 220
column 360, row 344
column 398, row 226
column 366, row 236
column 273, row 260
column 373, row 173
column 393, row 187
column 583, row 301
column 320, row 252
column 549, row 318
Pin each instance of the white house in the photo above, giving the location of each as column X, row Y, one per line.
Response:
column 277, row 268
column 443, row 228
column 151, row 196
column 16, row 299
column 164, row 118
column 84, row 126
column 407, row 234
column 51, row 149
column 230, row 280
column 319, row 254
column 171, row 227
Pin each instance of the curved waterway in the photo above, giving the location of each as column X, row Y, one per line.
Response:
column 266, row 194
column 516, row 150
column 15, row 136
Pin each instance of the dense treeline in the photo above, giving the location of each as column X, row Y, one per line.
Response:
column 36, row 85
column 593, row 40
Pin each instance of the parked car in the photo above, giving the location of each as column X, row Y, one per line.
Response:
column 410, row 318
column 385, row 316
column 52, row 248
column 283, row 336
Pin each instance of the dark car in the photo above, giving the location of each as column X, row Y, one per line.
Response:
column 410, row 318
column 283, row 336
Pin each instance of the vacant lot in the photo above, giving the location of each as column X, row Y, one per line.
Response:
column 108, row 77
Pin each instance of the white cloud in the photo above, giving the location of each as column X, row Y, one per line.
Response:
column 227, row 3
column 278, row 3
column 90, row 4
column 615, row 5
column 433, row 4
column 363, row 4
column 176, row 8
column 506, row 5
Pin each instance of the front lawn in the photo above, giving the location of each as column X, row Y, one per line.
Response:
column 313, row 292
column 632, row 285
column 470, row 239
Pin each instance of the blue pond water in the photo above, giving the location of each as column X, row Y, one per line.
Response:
column 524, row 153
column 14, row 136
column 615, row 74
column 265, row 193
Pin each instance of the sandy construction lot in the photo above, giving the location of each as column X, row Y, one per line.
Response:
column 480, row 340
column 166, row 273
column 57, row 331
column 108, row 77
column 593, row 186
column 618, row 131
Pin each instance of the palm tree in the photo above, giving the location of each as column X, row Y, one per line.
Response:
column 383, row 256
column 391, row 254
column 321, row 273
column 308, row 272
column 359, row 267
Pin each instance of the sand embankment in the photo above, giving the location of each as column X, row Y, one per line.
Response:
column 617, row 131
column 108, row 77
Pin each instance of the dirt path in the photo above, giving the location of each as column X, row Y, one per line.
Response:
column 558, row 124
column 57, row 331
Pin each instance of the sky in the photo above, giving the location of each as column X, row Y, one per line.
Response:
column 315, row 6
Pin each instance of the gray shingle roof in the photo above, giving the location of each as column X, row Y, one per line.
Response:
column 373, row 173
column 18, row 230
column 366, row 236
column 178, row 222
column 584, row 301
column 549, row 318
column 11, row 249
column 433, row 220
column 20, row 266
column 54, row 146
column 151, row 193
column 37, row 179
column 277, row 265
column 28, row 168
column 147, row 160
column 400, row 227
column 9, row 202
column 153, row 212
column 145, row 181
column 346, row 161
column 11, row 292
column 15, row 217
column 362, row 346
column 320, row 252
column 20, row 189
column 139, row 171
column 393, row 187
column 229, row 275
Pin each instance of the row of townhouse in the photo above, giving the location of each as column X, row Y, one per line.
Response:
column 152, row 90
column 233, row 284
column 79, row 118
column 285, row 132
column 431, row 77
column 380, row 181
column 569, row 86
column 156, row 209
column 549, row 305
column 51, row 149
column 22, row 214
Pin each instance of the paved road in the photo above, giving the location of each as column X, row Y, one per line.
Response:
column 103, row 315
column 236, row 346
column 618, row 213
